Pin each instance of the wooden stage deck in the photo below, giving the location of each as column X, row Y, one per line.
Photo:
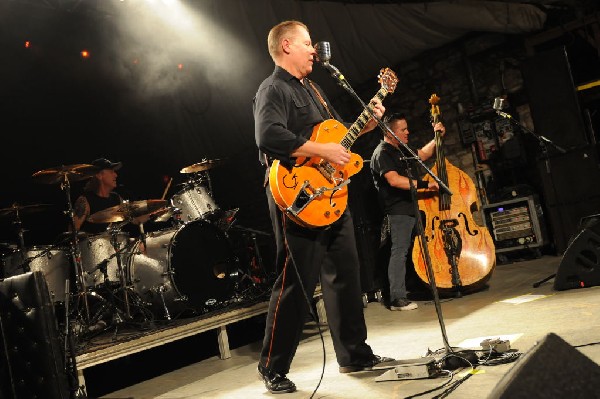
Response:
column 106, row 348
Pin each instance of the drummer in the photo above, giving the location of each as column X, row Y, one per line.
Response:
column 98, row 194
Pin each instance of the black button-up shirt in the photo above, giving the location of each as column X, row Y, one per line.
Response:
column 285, row 113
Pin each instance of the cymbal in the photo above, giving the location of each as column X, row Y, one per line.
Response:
column 160, row 215
column 202, row 166
column 127, row 211
column 60, row 173
column 16, row 209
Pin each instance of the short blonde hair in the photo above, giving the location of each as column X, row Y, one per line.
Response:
column 278, row 33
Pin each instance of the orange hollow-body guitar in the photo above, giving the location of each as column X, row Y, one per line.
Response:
column 314, row 192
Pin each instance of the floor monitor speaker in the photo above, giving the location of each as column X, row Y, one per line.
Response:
column 550, row 369
column 580, row 264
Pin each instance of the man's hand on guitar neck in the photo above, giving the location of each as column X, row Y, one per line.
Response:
column 378, row 110
column 331, row 152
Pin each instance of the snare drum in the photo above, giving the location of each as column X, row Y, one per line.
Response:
column 98, row 254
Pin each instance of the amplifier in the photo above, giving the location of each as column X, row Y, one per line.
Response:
column 516, row 224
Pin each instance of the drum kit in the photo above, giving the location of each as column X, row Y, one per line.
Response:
column 189, row 267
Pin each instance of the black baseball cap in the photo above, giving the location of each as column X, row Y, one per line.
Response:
column 103, row 163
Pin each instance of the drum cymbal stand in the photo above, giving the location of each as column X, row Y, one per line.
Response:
column 65, row 185
column 20, row 231
column 20, row 234
column 114, row 231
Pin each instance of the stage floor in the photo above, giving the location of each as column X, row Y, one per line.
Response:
column 510, row 308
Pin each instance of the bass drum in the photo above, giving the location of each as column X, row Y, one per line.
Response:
column 191, row 267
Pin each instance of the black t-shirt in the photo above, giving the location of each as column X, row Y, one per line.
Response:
column 99, row 204
column 385, row 158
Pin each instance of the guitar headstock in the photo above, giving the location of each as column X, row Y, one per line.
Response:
column 388, row 79
column 435, row 108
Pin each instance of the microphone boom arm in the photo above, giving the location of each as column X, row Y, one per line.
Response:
column 344, row 83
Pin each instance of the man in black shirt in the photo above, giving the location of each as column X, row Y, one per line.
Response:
column 98, row 195
column 287, row 107
column 389, row 168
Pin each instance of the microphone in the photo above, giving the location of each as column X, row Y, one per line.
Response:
column 498, row 105
column 323, row 57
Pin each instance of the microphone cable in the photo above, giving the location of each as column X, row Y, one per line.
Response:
column 308, row 302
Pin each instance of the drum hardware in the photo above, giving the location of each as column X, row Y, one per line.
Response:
column 258, row 272
column 116, row 245
column 64, row 174
column 161, row 289
column 14, row 211
column 226, row 219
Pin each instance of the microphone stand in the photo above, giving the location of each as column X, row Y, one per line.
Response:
column 343, row 83
column 543, row 141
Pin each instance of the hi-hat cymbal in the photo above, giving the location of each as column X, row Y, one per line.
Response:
column 127, row 211
column 202, row 166
column 60, row 173
column 21, row 209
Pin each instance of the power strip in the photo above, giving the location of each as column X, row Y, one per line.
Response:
column 497, row 345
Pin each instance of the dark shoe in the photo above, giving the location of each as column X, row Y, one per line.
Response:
column 402, row 304
column 276, row 383
column 367, row 365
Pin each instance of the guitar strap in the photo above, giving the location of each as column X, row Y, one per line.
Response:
column 321, row 100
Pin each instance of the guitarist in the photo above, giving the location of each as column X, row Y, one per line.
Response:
column 287, row 107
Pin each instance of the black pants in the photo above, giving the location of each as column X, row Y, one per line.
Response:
column 327, row 255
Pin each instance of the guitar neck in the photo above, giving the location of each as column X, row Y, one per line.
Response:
column 362, row 120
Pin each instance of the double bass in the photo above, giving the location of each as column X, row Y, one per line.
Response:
column 462, row 253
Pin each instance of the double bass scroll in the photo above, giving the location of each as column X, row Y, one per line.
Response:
column 462, row 253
